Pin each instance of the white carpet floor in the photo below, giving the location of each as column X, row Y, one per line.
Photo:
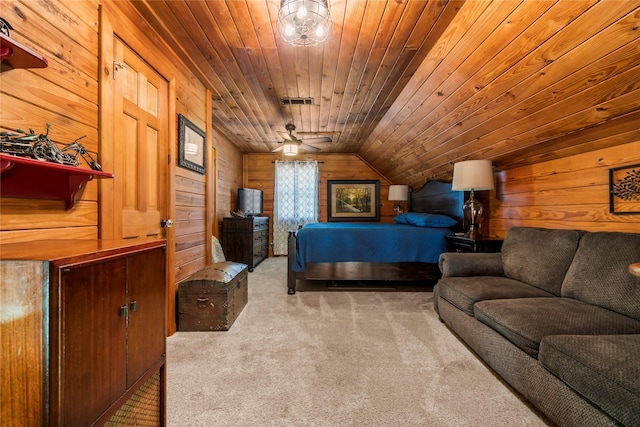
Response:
column 333, row 359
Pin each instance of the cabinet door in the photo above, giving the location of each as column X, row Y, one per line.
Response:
column 147, row 308
column 92, row 340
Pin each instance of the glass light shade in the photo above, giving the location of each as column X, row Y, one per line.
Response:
column 304, row 22
column 469, row 176
column 290, row 149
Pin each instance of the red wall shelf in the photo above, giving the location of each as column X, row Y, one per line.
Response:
column 16, row 55
column 35, row 179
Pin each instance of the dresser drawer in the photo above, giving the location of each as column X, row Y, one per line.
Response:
column 260, row 224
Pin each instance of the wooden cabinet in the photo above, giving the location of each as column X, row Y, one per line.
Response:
column 457, row 243
column 246, row 240
column 89, row 316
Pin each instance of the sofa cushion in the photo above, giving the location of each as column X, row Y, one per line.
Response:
column 602, row 368
column 525, row 321
column 470, row 264
column 464, row 292
column 539, row 256
column 600, row 274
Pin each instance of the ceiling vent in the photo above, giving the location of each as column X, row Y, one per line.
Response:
column 297, row 101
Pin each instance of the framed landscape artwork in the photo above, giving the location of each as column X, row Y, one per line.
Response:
column 191, row 145
column 353, row 200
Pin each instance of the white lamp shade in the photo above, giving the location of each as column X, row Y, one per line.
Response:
column 290, row 148
column 472, row 175
column 399, row 192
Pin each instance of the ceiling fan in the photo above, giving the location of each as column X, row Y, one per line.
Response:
column 292, row 144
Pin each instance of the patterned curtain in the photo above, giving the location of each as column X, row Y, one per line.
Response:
column 295, row 200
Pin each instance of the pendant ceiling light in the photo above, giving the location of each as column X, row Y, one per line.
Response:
column 290, row 149
column 304, row 22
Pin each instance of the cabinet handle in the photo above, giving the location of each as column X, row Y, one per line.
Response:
column 133, row 305
column 123, row 310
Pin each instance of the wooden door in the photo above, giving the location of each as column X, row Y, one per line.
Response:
column 92, row 337
column 140, row 161
column 137, row 129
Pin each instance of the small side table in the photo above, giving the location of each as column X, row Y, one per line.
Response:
column 456, row 243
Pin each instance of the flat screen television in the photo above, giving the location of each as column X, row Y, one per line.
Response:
column 250, row 201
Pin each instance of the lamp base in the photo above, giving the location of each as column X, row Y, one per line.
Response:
column 472, row 216
column 398, row 209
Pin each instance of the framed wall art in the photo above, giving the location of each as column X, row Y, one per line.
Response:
column 353, row 200
column 624, row 190
column 191, row 145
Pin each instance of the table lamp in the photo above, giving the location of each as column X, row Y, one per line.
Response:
column 472, row 175
column 398, row 193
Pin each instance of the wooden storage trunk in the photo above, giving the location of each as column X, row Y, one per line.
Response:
column 212, row 298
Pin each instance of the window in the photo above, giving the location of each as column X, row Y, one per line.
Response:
column 295, row 200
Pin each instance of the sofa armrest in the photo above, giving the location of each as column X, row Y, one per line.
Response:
column 470, row 264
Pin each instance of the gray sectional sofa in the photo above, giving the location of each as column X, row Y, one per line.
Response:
column 557, row 315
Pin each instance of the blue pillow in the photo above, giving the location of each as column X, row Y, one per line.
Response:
column 420, row 219
column 401, row 219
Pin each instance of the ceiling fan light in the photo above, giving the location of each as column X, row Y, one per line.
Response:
column 302, row 12
column 304, row 22
column 290, row 149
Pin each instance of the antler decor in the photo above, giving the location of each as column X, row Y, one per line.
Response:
column 628, row 188
column 40, row 147
column 624, row 189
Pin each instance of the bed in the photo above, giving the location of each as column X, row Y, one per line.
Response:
column 375, row 255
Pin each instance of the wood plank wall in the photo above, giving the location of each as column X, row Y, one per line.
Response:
column 567, row 193
column 229, row 178
column 65, row 94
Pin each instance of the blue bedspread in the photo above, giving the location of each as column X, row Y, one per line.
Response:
column 363, row 242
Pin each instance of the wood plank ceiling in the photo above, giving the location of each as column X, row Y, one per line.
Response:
column 413, row 85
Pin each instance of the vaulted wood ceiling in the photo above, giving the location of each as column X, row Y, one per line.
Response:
column 414, row 86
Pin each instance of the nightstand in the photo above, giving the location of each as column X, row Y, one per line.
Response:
column 457, row 243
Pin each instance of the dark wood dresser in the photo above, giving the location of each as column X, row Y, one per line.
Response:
column 83, row 332
column 246, row 240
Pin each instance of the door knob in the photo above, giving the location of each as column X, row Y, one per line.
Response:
column 166, row 223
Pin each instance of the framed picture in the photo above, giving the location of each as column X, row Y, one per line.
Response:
column 353, row 200
column 191, row 145
column 624, row 190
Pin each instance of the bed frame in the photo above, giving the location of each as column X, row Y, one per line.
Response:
column 433, row 197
